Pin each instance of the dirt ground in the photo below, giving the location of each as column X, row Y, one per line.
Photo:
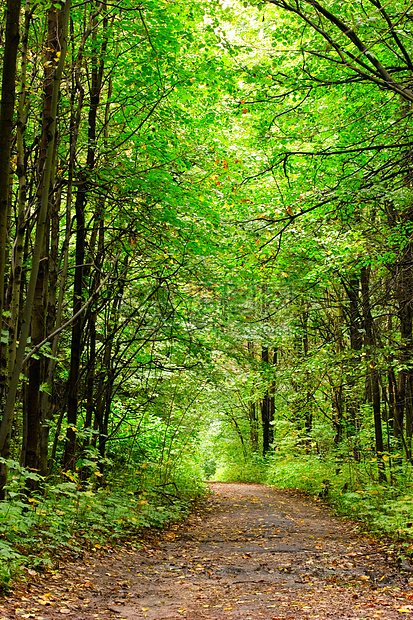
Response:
column 251, row 552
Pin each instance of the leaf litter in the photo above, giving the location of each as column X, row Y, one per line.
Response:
column 249, row 552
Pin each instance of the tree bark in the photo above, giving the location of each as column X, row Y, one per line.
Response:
column 404, row 292
column 78, row 288
column 373, row 373
column 266, row 408
column 356, row 344
column 6, row 422
column 37, row 366
column 8, row 87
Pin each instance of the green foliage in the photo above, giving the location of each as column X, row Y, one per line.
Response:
column 386, row 510
column 306, row 472
column 237, row 468
column 68, row 518
column 73, row 514
column 11, row 563
column 351, row 488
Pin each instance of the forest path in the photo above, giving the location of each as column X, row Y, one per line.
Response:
column 254, row 552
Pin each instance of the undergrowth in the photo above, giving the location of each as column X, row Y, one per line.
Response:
column 71, row 515
column 242, row 469
column 352, row 489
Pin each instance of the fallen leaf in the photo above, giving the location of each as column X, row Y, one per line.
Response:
column 31, row 572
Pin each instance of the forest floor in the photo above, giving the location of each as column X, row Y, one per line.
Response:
column 249, row 552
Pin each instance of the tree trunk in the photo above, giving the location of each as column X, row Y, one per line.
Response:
column 356, row 344
column 37, row 366
column 267, row 430
column 47, row 399
column 338, row 397
column 8, row 87
column 7, row 419
column 308, row 414
column 373, row 375
column 15, row 292
column 404, row 292
column 78, row 289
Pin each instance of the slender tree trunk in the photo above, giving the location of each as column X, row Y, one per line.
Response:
column 15, row 293
column 7, row 102
column 6, row 423
column 8, row 87
column 253, row 409
column 46, row 400
column 404, row 291
column 91, row 373
column 78, row 289
column 402, row 386
column 105, row 384
column 373, row 373
column 392, row 391
column 253, row 424
column 47, row 397
column 265, row 408
column 35, row 372
column 308, row 414
column 77, row 328
column 272, row 398
column 37, row 366
column 338, row 400
column 356, row 344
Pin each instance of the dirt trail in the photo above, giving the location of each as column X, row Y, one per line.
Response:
column 254, row 552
